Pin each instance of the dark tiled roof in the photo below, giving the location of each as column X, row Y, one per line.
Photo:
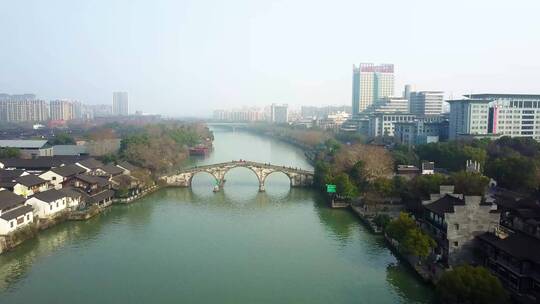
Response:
column 6, row 175
column 9, row 200
column 92, row 179
column 518, row 245
column 30, row 180
column 71, row 192
column 68, row 170
column 445, row 204
column 113, row 170
column 96, row 198
column 91, row 163
column 15, row 213
column 128, row 166
column 49, row 195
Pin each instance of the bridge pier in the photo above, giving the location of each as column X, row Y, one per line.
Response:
column 261, row 187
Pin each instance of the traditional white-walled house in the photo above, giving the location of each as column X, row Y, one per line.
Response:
column 29, row 185
column 111, row 171
column 91, row 165
column 97, row 188
column 7, row 178
column 48, row 204
column 60, row 175
column 14, row 213
column 73, row 197
column 127, row 167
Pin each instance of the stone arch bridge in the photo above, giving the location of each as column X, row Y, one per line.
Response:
column 298, row 177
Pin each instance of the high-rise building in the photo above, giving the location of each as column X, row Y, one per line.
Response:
column 61, row 110
column 371, row 83
column 279, row 113
column 468, row 117
column 426, row 102
column 20, row 108
column 120, row 104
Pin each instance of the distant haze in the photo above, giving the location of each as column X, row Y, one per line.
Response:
column 189, row 57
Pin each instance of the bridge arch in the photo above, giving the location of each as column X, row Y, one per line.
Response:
column 199, row 173
column 258, row 178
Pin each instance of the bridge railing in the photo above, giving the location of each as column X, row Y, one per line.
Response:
column 242, row 162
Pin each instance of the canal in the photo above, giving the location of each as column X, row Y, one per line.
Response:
column 196, row 246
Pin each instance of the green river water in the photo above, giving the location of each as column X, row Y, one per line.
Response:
column 195, row 246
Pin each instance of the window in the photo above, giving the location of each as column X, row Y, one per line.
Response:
column 456, row 244
column 456, row 226
column 28, row 217
column 57, row 205
column 11, row 224
column 50, row 207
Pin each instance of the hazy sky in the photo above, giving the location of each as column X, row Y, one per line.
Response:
column 189, row 57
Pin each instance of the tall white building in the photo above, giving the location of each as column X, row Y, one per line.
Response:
column 279, row 113
column 120, row 104
column 371, row 83
column 62, row 110
column 468, row 117
column 426, row 102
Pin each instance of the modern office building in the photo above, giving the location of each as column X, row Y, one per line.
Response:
column 62, row 110
column 426, row 102
column 515, row 115
column 120, row 104
column 279, row 113
column 383, row 124
column 21, row 108
column 418, row 132
column 371, row 83
column 388, row 105
column 468, row 117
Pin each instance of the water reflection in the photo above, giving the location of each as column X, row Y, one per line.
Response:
column 399, row 278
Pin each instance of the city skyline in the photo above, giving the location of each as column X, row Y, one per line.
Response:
column 187, row 59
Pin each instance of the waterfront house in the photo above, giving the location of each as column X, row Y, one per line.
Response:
column 454, row 220
column 14, row 213
column 512, row 250
column 30, row 184
column 514, row 257
column 97, row 188
column 127, row 183
column 58, row 176
column 74, row 198
column 48, row 204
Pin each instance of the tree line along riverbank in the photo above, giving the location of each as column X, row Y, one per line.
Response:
column 81, row 187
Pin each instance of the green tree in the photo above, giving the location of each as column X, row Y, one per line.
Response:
column 417, row 243
column 10, row 152
column 383, row 186
column 382, row 220
column 469, row 183
column 322, row 175
column 404, row 155
column 514, row 172
column 398, row 228
column 62, row 139
column 359, row 176
column 468, row 284
column 344, row 186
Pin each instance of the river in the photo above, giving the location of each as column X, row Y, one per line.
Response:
column 195, row 246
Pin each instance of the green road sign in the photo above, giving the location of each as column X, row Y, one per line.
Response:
column 331, row 188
